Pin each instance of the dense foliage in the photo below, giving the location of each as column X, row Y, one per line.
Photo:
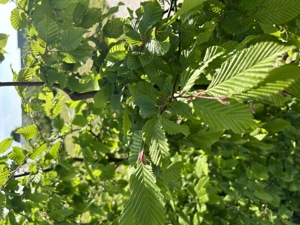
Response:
column 183, row 113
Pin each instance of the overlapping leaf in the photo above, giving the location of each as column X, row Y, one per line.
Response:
column 71, row 38
column 135, row 147
column 146, row 205
column 28, row 132
column 146, row 106
column 277, row 11
column 48, row 30
column 285, row 78
column 155, row 136
column 172, row 127
column 235, row 116
column 189, row 77
column 5, row 144
column 188, row 7
column 18, row 19
column 246, row 69
column 3, row 40
column 17, row 155
column 152, row 14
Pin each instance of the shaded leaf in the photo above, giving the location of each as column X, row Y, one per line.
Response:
column 235, row 116
column 155, row 136
column 277, row 11
column 146, row 205
column 71, row 38
column 48, row 30
column 246, row 69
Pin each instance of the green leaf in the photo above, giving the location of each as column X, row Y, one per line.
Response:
column 135, row 147
column 260, row 171
column 235, row 22
column 146, row 205
column 173, row 171
column 234, row 116
column 26, row 74
column 146, row 106
column 201, row 168
column 3, row 1
column 189, row 77
column 53, row 152
column 204, row 139
column 17, row 155
column 18, row 19
column 4, row 174
column 285, row 78
column 277, row 11
column 158, row 48
column 38, row 47
column 126, row 122
column 28, row 132
column 263, row 195
column 143, row 88
column 114, row 28
column 36, row 152
column 152, row 14
column 71, row 38
column 48, row 30
column 103, row 95
column 246, row 69
column 92, row 16
column 200, row 189
column 180, row 108
column 172, row 127
column 3, row 40
column 133, row 62
column 5, row 144
column 188, row 8
column 133, row 38
column 118, row 52
column 54, row 76
column 156, row 138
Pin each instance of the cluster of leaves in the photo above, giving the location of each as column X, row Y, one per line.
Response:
column 194, row 116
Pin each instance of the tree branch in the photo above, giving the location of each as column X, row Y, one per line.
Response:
column 75, row 96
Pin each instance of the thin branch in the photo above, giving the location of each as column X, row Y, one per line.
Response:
column 28, row 173
column 75, row 96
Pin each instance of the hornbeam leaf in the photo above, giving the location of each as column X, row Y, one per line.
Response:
column 48, row 30
column 235, row 116
column 285, row 78
column 5, row 144
column 3, row 40
column 158, row 48
column 146, row 105
column 4, row 174
column 175, row 128
column 18, row 19
column 71, row 38
column 146, row 204
column 28, row 132
column 246, row 69
column 135, row 147
column 277, row 11
column 188, row 78
column 155, row 136
column 41, row 149
column 188, row 7
column 152, row 14
column 17, row 155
